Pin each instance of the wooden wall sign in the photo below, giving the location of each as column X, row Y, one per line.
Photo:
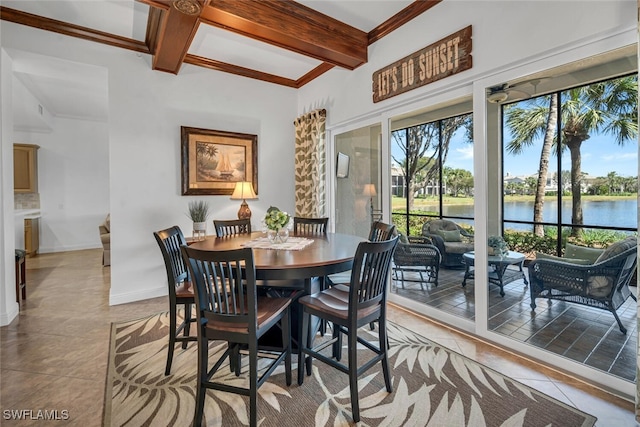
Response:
column 441, row 59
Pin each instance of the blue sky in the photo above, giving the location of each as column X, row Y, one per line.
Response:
column 600, row 155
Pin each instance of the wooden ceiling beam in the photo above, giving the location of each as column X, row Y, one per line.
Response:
column 175, row 24
column 47, row 24
column 399, row 19
column 291, row 26
column 212, row 64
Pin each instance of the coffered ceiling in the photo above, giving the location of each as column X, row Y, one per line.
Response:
column 283, row 42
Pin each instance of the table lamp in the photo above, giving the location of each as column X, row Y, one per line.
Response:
column 370, row 191
column 243, row 191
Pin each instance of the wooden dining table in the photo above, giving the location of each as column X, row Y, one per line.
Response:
column 280, row 270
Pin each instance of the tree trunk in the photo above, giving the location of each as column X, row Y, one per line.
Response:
column 411, row 189
column 538, row 205
column 576, row 188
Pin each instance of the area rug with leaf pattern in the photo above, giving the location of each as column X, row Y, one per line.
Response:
column 432, row 386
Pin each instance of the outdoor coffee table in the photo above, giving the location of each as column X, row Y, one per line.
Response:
column 499, row 273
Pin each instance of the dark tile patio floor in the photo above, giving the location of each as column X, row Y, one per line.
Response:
column 583, row 334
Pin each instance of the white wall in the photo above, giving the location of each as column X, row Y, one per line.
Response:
column 8, row 305
column 73, row 182
column 146, row 110
column 504, row 33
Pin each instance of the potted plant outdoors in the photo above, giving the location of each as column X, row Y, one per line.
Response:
column 199, row 211
column 497, row 246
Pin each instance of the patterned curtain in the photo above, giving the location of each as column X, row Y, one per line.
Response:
column 310, row 164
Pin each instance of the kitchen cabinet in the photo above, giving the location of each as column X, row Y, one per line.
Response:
column 25, row 168
column 32, row 236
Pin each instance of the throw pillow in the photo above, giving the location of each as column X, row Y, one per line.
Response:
column 582, row 252
column 540, row 255
column 451, row 236
column 617, row 248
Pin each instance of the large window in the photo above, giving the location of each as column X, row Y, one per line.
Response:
column 570, row 164
column 432, row 178
column 432, row 173
column 570, row 177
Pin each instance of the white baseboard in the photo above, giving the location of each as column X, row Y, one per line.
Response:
column 126, row 297
column 6, row 318
column 49, row 250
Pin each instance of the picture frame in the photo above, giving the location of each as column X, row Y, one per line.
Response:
column 212, row 161
column 342, row 166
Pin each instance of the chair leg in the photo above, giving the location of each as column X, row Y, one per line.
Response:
column 384, row 346
column 337, row 346
column 172, row 337
column 303, row 345
column 622, row 328
column 187, row 324
column 253, row 384
column 353, row 373
column 201, row 390
column 323, row 323
column 286, row 344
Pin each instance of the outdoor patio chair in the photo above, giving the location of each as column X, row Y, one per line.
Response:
column 451, row 240
column 603, row 284
column 415, row 254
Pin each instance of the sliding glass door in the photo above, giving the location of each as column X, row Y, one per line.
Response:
column 358, row 180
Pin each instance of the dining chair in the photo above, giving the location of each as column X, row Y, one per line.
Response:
column 230, row 309
column 180, row 289
column 310, row 226
column 362, row 303
column 381, row 231
column 313, row 227
column 229, row 227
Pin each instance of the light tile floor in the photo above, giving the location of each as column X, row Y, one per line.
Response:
column 54, row 355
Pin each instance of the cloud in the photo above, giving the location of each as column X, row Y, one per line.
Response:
column 620, row 156
column 465, row 152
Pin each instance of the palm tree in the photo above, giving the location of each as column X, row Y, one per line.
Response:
column 526, row 125
column 608, row 108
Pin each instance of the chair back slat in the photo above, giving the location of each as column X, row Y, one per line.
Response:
column 230, row 227
column 310, row 226
column 225, row 285
column 381, row 231
column 370, row 273
column 169, row 241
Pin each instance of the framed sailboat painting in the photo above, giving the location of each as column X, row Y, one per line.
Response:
column 214, row 160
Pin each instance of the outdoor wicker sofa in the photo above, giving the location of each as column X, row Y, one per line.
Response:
column 603, row 284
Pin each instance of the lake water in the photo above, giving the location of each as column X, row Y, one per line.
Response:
column 617, row 213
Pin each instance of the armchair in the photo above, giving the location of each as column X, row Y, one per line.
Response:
column 419, row 255
column 105, row 239
column 602, row 284
column 451, row 240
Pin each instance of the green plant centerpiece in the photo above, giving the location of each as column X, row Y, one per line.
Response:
column 199, row 211
column 277, row 225
column 497, row 245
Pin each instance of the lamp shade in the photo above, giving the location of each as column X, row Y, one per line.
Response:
column 243, row 190
column 369, row 190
